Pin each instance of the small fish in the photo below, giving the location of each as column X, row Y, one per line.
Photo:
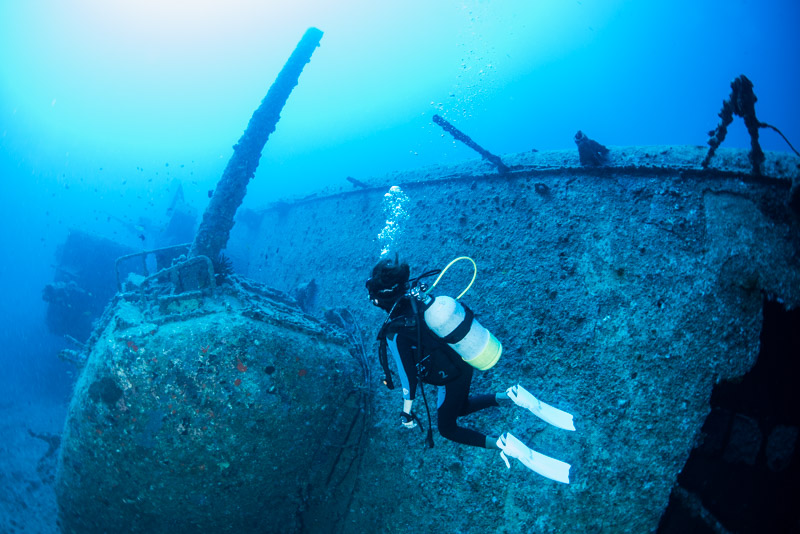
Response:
column 210, row 193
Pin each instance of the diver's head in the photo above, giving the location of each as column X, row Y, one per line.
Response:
column 389, row 282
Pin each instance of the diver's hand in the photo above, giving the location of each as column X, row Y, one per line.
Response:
column 407, row 420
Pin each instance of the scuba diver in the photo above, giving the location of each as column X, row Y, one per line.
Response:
column 437, row 341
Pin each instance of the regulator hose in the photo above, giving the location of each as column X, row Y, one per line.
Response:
column 474, row 275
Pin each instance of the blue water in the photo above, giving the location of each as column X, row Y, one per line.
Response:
column 105, row 106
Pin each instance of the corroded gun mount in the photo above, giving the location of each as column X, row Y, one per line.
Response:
column 467, row 140
column 212, row 236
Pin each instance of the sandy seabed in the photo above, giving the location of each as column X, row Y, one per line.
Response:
column 28, row 464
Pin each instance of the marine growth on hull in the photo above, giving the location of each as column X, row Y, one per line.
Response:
column 215, row 410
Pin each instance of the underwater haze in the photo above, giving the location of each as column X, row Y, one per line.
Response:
column 109, row 108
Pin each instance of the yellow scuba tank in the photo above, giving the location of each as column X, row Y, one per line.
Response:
column 455, row 323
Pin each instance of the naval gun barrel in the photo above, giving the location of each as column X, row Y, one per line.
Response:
column 464, row 138
column 214, row 231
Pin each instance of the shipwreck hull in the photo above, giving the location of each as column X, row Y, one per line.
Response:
column 229, row 411
column 622, row 294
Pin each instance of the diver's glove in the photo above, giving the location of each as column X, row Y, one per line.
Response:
column 544, row 465
column 407, row 420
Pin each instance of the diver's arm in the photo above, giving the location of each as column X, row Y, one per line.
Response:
column 408, row 379
column 404, row 360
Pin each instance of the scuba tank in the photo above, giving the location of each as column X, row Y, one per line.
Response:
column 457, row 326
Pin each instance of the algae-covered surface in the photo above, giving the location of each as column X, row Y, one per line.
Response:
column 621, row 294
column 221, row 419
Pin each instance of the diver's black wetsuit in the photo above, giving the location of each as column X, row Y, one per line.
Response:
column 453, row 398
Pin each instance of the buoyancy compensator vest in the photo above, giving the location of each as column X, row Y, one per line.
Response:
column 447, row 331
column 436, row 362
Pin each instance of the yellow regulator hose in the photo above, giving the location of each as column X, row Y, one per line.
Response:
column 474, row 274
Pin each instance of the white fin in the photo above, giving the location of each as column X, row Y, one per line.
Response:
column 522, row 397
column 544, row 465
